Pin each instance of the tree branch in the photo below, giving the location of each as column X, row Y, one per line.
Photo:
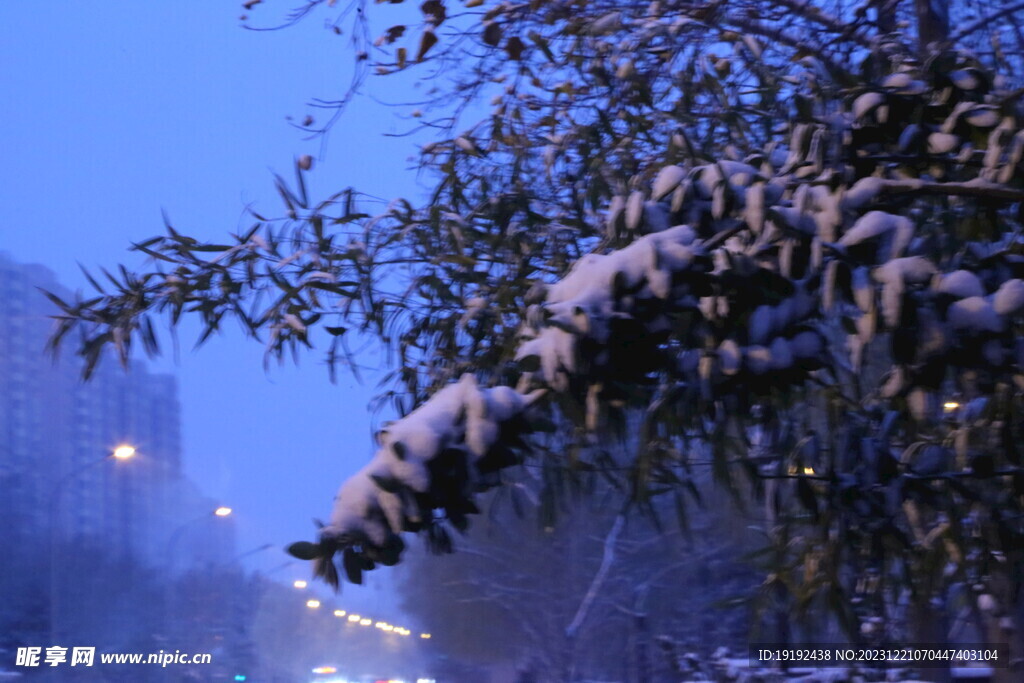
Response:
column 780, row 36
column 984, row 21
column 813, row 13
column 602, row 572
column 971, row 188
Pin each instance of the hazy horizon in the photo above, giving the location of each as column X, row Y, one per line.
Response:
column 118, row 112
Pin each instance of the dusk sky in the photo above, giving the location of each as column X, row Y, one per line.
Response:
column 115, row 111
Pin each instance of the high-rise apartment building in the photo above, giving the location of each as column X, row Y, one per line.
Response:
column 56, row 432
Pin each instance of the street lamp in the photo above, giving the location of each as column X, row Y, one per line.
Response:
column 176, row 534
column 172, row 542
column 122, row 452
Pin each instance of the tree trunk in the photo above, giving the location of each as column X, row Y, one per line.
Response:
column 643, row 660
column 928, row 627
column 1001, row 628
column 641, row 654
column 932, row 23
column 886, row 15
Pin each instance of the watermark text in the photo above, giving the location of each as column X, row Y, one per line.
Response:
column 57, row 655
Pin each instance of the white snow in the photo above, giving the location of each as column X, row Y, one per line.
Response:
column 1009, row 298
column 615, row 221
column 974, row 314
column 656, row 217
column 707, row 177
column 863, row 289
column 556, row 349
column 730, row 357
column 895, row 275
column 893, row 232
column 634, row 210
column 866, row 103
column 987, row 603
column 666, row 181
column 767, row 214
column 961, row 284
column 862, row 192
column 460, row 412
column 758, row 359
column 942, row 143
column 964, row 79
column 807, row 345
column 982, row 116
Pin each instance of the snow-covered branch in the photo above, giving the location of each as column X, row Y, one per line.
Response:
column 723, row 284
column 433, row 461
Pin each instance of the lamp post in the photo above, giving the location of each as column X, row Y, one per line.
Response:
column 172, row 543
column 122, row 452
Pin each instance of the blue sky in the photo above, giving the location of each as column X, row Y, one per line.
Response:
column 111, row 112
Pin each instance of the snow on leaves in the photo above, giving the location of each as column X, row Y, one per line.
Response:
column 727, row 277
column 428, row 468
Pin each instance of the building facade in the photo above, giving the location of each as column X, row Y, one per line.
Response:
column 57, row 431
